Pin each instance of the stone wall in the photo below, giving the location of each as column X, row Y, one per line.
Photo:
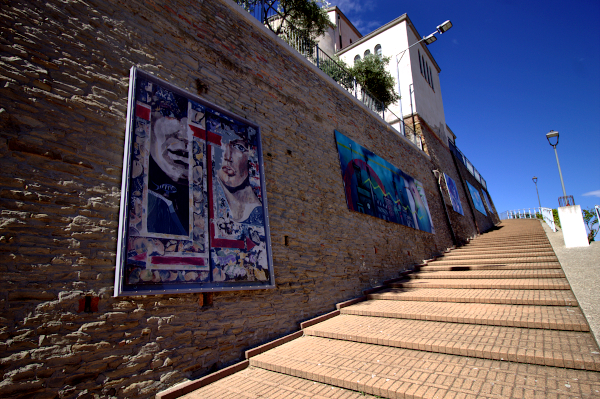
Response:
column 65, row 70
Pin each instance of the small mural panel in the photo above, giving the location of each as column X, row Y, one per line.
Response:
column 476, row 198
column 487, row 201
column 193, row 206
column 454, row 198
column 375, row 187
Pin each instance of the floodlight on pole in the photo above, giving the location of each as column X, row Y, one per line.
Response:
column 538, row 193
column 442, row 28
column 430, row 39
column 550, row 136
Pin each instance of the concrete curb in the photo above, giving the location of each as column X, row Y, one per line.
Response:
column 270, row 345
column 190, row 386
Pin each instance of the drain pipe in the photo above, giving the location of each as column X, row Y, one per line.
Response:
column 438, row 177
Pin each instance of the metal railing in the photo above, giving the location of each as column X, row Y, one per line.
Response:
column 461, row 157
column 313, row 53
column 531, row 213
column 261, row 10
column 566, row 201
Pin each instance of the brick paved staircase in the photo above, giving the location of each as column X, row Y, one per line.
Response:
column 493, row 319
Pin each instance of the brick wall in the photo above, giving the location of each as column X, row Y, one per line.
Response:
column 64, row 68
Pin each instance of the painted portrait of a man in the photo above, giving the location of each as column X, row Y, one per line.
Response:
column 169, row 166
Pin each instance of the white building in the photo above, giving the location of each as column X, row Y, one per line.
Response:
column 420, row 90
column 339, row 37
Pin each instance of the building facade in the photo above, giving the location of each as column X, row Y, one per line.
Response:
column 415, row 67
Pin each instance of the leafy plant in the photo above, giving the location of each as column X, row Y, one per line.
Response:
column 371, row 73
column 337, row 69
column 556, row 218
column 307, row 16
column 590, row 219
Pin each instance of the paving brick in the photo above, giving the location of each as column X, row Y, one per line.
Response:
column 462, row 339
column 550, row 317
column 519, row 284
column 506, row 296
column 411, row 371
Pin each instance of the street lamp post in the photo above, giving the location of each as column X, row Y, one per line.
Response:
column 538, row 193
column 442, row 28
column 551, row 135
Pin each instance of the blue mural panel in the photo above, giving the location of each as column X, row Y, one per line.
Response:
column 454, row 198
column 487, row 201
column 476, row 199
column 375, row 187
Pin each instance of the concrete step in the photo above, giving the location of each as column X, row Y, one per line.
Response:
column 484, row 251
column 256, row 382
column 514, row 283
column 570, row 349
column 534, row 246
column 522, row 297
column 500, row 266
column 502, row 256
column 403, row 373
column 550, row 317
column 494, row 261
column 518, row 244
column 479, row 274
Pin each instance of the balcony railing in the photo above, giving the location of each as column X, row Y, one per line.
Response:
column 467, row 163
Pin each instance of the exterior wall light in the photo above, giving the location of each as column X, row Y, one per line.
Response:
column 444, row 27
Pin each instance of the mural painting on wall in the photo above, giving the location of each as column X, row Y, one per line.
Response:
column 454, row 198
column 476, row 199
column 375, row 187
column 488, row 202
column 193, row 206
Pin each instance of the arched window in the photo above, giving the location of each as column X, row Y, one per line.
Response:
column 378, row 51
column 357, row 58
column 420, row 62
column 350, row 41
column 367, row 52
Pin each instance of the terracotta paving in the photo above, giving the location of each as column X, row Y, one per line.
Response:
column 531, row 316
column 493, row 319
column 513, row 297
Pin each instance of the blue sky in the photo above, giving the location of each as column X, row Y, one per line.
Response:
column 513, row 70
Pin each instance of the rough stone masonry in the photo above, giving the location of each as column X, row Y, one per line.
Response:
column 64, row 71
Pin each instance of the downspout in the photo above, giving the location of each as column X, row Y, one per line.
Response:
column 438, row 177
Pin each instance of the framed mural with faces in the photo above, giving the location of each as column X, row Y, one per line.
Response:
column 194, row 215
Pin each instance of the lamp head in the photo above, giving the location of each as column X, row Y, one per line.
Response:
column 430, row 39
column 444, row 26
column 534, row 179
column 551, row 135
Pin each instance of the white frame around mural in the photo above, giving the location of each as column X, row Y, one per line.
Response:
column 248, row 254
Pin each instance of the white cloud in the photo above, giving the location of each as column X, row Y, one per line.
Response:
column 354, row 9
column 592, row 194
column 353, row 6
column 365, row 27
